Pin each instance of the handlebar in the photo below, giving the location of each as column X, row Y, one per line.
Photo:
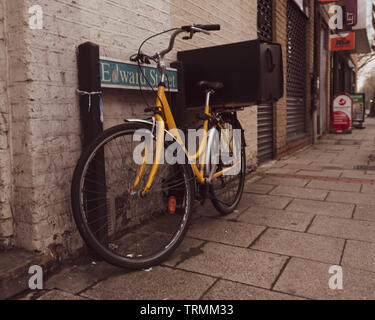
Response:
column 192, row 29
column 207, row 27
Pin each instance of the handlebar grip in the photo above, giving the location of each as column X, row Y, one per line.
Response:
column 209, row 27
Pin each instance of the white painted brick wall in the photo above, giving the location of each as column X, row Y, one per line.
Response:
column 6, row 220
column 45, row 111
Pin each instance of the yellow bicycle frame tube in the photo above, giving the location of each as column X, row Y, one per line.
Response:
column 163, row 107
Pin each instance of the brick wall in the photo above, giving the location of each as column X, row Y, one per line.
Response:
column 45, row 113
column 6, row 221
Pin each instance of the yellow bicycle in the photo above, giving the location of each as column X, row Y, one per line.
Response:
column 133, row 188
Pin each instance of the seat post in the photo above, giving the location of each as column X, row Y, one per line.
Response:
column 208, row 96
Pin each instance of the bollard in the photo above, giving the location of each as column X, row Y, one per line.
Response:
column 89, row 82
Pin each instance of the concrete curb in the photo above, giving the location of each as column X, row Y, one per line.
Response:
column 15, row 280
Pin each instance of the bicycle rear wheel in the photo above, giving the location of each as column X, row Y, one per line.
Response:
column 124, row 228
column 226, row 191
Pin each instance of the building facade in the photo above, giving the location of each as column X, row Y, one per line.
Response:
column 40, row 125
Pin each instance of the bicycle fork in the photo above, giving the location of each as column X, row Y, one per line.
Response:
column 160, row 130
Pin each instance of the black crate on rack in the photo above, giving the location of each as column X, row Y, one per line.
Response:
column 252, row 73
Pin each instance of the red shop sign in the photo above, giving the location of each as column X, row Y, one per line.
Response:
column 351, row 13
column 343, row 42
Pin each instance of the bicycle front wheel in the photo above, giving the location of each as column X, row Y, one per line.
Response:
column 123, row 226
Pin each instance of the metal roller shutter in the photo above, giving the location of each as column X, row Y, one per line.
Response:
column 265, row 112
column 296, row 72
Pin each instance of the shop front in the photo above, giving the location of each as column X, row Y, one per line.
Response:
column 345, row 42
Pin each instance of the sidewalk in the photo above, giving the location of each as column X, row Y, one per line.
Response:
column 298, row 217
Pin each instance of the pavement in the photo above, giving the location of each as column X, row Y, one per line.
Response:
column 299, row 217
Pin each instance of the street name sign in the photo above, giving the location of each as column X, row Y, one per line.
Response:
column 126, row 75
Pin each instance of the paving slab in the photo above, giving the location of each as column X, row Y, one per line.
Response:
column 297, row 244
column 55, row 295
column 303, row 167
column 78, row 278
column 296, row 161
column 365, row 212
column 258, row 188
column 334, row 186
column 325, row 158
column 273, row 164
column 246, row 266
column 187, row 249
column 268, row 201
column 331, row 148
column 331, row 167
column 360, row 255
column 368, row 188
column 281, row 171
column 350, row 197
column 300, row 193
column 278, row 181
column 208, row 210
column 310, row 279
column 160, row 283
column 323, row 173
column 322, row 208
column 228, row 232
column 227, row 290
column 276, row 218
column 344, row 228
column 355, row 174
column 321, row 163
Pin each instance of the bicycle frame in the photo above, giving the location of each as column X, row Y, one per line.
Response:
column 162, row 107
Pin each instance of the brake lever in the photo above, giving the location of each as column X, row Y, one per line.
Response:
column 134, row 58
column 141, row 58
column 195, row 30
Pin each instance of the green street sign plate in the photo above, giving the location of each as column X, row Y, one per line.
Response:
column 126, row 75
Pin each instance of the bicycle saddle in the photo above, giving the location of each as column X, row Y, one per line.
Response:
column 209, row 86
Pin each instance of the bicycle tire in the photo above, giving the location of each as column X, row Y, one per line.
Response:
column 226, row 207
column 104, row 248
